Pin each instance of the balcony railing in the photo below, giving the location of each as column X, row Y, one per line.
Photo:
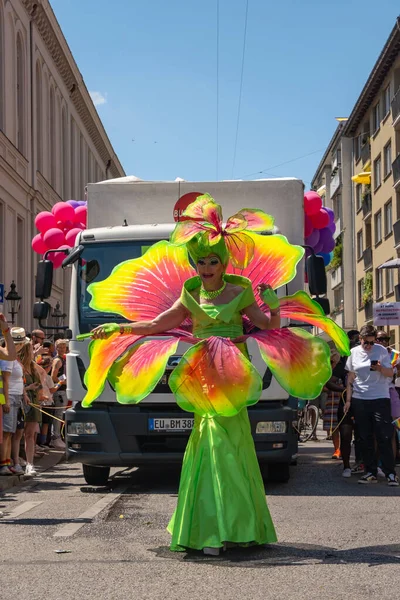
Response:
column 396, row 231
column 366, row 153
column 396, row 106
column 367, row 205
column 396, row 171
column 367, row 257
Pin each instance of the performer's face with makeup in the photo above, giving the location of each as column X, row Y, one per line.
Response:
column 210, row 269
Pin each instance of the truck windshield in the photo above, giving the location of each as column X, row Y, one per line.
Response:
column 97, row 262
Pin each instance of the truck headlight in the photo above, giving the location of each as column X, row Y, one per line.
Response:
column 76, row 428
column 271, row 427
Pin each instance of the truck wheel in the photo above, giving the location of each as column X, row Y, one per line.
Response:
column 96, row 475
column 279, row 472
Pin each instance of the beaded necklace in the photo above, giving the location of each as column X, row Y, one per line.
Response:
column 212, row 294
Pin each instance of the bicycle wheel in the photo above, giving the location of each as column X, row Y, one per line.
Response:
column 309, row 423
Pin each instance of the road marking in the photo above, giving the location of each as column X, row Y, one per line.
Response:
column 71, row 528
column 20, row 510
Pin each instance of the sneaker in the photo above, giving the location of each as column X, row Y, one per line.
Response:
column 4, row 470
column 17, row 470
column 30, row 470
column 336, row 455
column 368, row 478
column 380, row 473
column 57, row 444
column 346, row 473
column 357, row 469
column 22, row 462
column 393, row 480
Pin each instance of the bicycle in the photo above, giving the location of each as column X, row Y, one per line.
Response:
column 307, row 421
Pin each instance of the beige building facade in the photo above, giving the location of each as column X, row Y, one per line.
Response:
column 374, row 128
column 332, row 180
column 52, row 141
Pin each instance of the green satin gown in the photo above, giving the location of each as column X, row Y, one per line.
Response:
column 221, row 493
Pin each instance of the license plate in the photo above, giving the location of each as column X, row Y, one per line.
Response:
column 171, row 424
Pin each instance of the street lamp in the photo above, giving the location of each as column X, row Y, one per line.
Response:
column 13, row 300
column 58, row 316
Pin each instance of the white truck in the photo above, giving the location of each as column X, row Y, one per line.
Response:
column 125, row 217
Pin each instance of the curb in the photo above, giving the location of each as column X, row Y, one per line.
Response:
column 43, row 464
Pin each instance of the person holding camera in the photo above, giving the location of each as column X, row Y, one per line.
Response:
column 368, row 396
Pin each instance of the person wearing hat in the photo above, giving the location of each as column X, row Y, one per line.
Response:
column 7, row 353
column 13, row 385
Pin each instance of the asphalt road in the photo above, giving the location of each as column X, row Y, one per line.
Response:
column 337, row 540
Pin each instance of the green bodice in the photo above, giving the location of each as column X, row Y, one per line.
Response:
column 223, row 320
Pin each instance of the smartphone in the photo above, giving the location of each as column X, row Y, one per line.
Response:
column 373, row 362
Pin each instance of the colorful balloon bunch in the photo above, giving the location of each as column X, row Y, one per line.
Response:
column 58, row 229
column 319, row 226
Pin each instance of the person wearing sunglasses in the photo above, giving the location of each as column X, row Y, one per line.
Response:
column 384, row 339
column 368, row 396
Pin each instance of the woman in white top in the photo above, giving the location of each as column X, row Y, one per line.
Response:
column 13, row 383
column 368, row 395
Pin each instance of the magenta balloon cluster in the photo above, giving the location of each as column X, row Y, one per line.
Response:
column 319, row 226
column 58, row 229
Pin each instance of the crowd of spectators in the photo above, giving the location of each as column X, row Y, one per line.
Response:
column 32, row 397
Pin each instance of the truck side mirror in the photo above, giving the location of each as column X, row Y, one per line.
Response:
column 316, row 275
column 44, row 279
column 324, row 304
column 41, row 310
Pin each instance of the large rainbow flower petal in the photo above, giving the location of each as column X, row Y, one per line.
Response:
column 274, row 261
column 300, row 307
column 142, row 288
column 195, row 209
column 215, row 378
column 135, row 375
column 241, row 249
column 299, row 361
column 255, row 220
column 102, row 354
column 186, row 230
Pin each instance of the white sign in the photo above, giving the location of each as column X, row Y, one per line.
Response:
column 387, row 313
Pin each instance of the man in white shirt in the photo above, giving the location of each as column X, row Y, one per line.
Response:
column 368, row 395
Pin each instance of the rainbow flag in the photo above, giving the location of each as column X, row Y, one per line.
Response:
column 394, row 357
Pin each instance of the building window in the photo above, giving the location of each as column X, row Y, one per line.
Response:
column 39, row 120
column 20, row 96
column 387, row 159
column 72, row 158
column 379, row 283
column 388, row 218
column 386, row 101
column 52, row 131
column 64, row 154
column 360, row 245
column 376, row 120
column 377, row 172
column 389, row 282
column 360, row 287
column 357, row 148
column 358, row 196
column 82, row 162
column 378, row 227
column 368, row 235
column 338, row 297
column 21, row 259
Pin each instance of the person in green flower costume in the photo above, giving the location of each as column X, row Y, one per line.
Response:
column 213, row 308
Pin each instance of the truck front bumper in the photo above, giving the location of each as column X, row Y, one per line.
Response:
column 123, row 438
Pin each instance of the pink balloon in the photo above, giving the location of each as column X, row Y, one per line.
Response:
column 44, row 221
column 54, row 238
column 308, row 226
column 63, row 211
column 320, row 220
column 38, row 244
column 57, row 257
column 71, row 236
column 81, row 215
column 312, row 203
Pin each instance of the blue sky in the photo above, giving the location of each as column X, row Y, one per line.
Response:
column 153, row 64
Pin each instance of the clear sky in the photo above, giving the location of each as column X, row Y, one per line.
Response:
column 152, row 66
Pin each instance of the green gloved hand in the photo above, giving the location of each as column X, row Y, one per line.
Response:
column 270, row 298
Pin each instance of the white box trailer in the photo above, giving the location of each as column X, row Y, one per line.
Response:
column 124, row 217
